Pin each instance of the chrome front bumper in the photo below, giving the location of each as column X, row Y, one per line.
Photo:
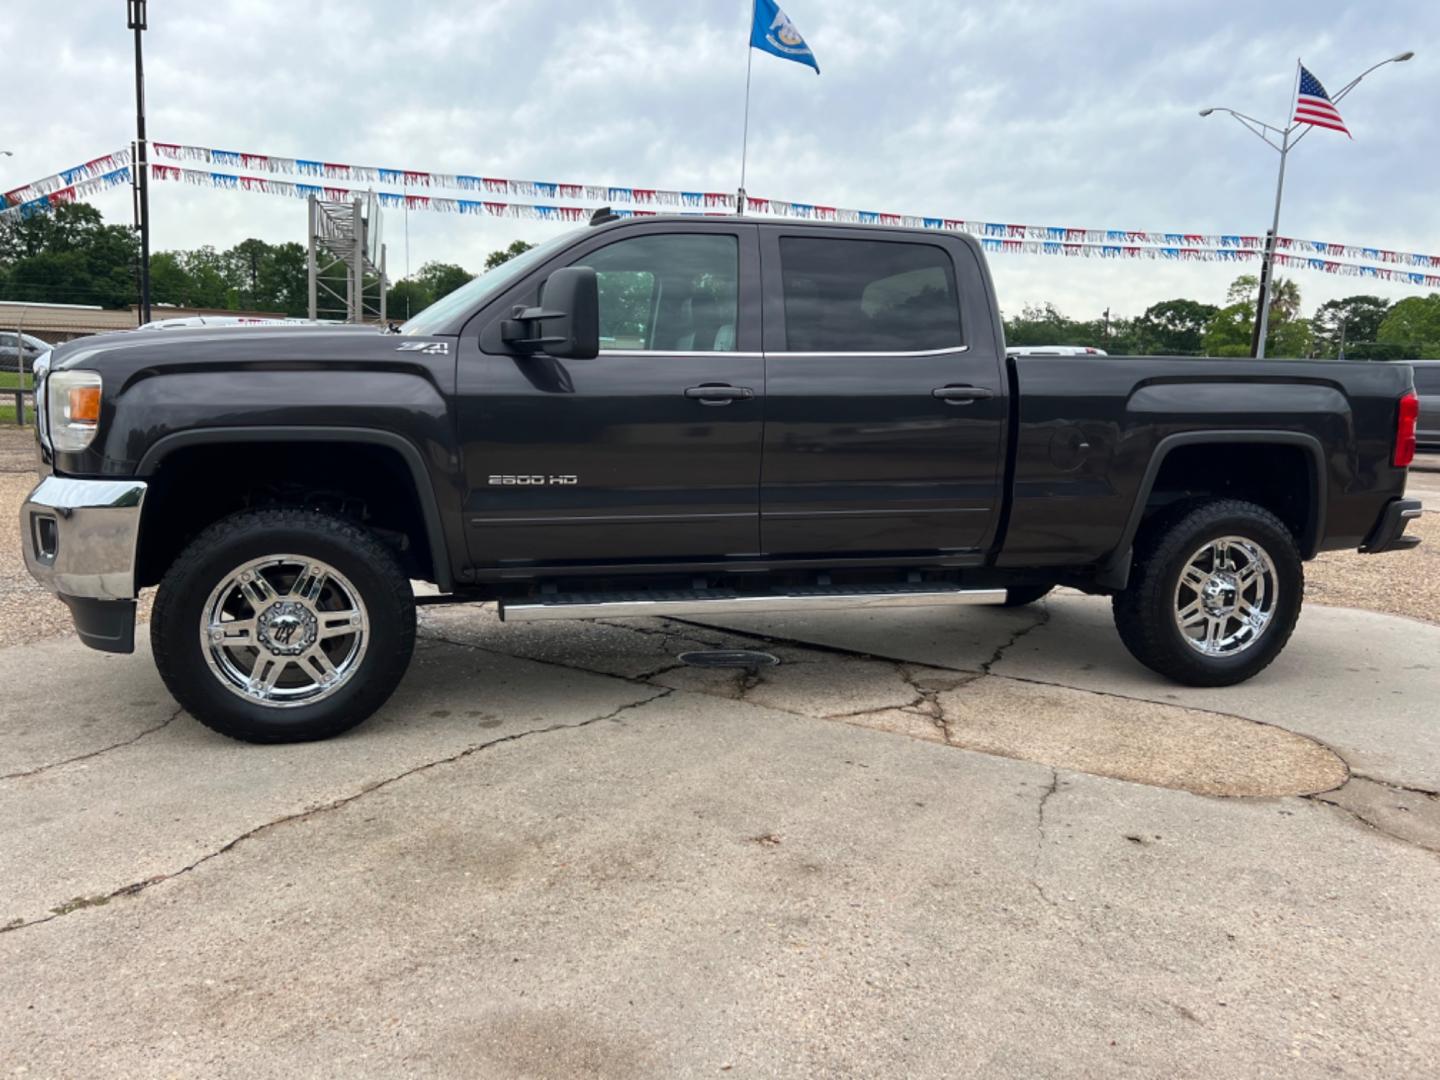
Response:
column 80, row 537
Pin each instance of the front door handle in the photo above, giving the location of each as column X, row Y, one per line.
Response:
column 719, row 393
column 959, row 395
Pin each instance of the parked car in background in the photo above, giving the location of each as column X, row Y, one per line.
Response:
column 188, row 322
column 1427, row 385
column 1054, row 350
column 17, row 348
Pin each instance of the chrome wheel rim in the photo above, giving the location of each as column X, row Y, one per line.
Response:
column 284, row 631
column 1226, row 597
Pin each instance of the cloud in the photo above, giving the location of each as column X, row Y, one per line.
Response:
column 1077, row 114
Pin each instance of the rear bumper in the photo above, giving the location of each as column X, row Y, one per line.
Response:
column 80, row 539
column 1389, row 531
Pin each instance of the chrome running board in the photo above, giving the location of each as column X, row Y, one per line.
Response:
column 710, row 602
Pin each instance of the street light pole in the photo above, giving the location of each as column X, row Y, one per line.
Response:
column 140, row 160
column 1266, row 133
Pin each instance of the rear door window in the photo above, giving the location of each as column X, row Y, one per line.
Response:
column 1427, row 379
column 867, row 296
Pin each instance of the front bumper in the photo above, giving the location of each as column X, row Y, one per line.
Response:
column 1389, row 532
column 80, row 539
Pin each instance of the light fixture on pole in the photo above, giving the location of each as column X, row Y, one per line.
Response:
column 1287, row 141
column 140, row 159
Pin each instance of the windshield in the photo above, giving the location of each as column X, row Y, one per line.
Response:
column 442, row 313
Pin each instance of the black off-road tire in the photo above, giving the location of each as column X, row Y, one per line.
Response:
column 1020, row 595
column 255, row 534
column 1145, row 611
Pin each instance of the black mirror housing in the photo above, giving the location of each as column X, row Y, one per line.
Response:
column 566, row 325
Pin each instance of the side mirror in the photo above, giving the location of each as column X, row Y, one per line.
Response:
column 566, row 325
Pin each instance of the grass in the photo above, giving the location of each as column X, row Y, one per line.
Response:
column 11, row 380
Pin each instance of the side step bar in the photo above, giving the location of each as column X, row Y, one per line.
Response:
column 619, row 605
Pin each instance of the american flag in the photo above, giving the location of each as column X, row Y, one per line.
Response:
column 1313, row 106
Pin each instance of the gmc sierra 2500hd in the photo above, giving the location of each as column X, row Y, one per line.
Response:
column 684, row 415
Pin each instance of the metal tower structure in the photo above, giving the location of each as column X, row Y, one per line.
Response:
column 346, row 260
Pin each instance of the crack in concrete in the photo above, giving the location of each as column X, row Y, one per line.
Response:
column 1043, row 619
column 1393, row 786
column 1040, row 837
column 1319, row 799
column 135, row 887
column 95, row 753
column 981, row 672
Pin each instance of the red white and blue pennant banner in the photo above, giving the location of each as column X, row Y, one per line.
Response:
column 113, row 169
column 69, row 184
column 721, row 201
column 995, row 244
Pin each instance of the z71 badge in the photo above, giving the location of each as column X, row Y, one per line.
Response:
column 432, row 348
column 534, row 481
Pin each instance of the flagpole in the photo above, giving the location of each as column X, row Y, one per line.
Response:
column 745, row 137
column 1267, row 268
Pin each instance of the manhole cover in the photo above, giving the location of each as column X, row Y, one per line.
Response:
column 722, row 658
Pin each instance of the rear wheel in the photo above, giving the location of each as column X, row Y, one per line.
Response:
column 1214, row 594
column 283, row 626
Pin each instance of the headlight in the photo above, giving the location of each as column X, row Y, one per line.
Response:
column 72, row 403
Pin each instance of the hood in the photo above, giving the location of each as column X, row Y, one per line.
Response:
column 276, row 341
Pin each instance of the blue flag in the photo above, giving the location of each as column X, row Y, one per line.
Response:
column 772, row 31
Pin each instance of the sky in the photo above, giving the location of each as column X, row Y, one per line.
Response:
column 1081, row 113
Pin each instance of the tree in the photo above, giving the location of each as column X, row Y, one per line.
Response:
column 1174, row 327
column 69, row 255
column 1414, row 323
column 504, row 255
column 405, row 298
column 1043, row 324
column 1356, row 319
column 1231, row 329
column 441, row 279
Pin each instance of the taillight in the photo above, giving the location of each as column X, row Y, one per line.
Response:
column 1405, row 430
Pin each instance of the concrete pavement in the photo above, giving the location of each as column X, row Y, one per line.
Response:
column 558, row 852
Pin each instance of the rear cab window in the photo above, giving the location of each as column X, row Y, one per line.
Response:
column 868, row 296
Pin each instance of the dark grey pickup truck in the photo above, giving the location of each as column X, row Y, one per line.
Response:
column 682, row 415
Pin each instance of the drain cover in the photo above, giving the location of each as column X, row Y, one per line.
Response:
column 725, row 658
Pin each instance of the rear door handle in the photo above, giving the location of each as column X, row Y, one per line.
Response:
column 719, row 393
column 961, row 394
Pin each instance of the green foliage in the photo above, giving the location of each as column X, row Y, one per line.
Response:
column 68, row 256
column 442, row 278
column 1414, row 324
column 1229, row 330
column 495, row 258
column 1174, row 327
column 1356, row 318
column 405, row 298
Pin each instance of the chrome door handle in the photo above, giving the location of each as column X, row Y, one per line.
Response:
column 960, row 395
column 718, row 393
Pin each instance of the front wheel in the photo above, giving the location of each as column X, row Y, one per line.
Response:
column 1214, row 594
column 283, row 626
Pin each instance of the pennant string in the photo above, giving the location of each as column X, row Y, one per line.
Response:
column 264, row 174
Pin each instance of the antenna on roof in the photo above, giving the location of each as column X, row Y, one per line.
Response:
column 604, row 214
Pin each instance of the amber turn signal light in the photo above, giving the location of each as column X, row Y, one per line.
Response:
column 84, row 405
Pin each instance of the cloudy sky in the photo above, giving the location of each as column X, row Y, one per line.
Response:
column 1076, row 113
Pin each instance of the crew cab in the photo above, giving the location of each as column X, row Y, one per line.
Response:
column 681, row 415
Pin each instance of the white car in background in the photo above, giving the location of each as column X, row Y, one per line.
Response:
column 1054, row 350
column 186, row 321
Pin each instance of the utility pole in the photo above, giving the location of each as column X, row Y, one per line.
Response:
column 140, row 159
